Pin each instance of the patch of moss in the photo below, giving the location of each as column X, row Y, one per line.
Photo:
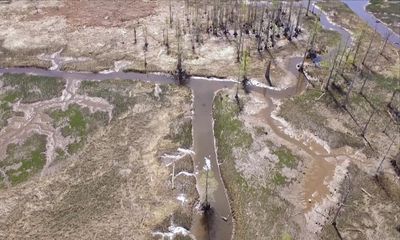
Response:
column 279, row 179
column 30, row 88
column 286, row 236
column 286, row 158
column 24, row 160
column 77, row 123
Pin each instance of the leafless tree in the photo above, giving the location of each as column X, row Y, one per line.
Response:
column 387, row 36
column 146, row 44
column 364, row 131
column 358, row 45
column 341, row 205
column 369, row 47
column 171, row 17
column 267, row 73
column 308, row 7
column 134, row 33
column 334, row 63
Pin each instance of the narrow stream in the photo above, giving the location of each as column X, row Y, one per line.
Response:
column 204, row 90
column 359, row 7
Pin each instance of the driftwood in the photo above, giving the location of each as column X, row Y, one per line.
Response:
column 365, row 191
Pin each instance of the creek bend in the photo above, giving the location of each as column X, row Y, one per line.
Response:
column 204, row 90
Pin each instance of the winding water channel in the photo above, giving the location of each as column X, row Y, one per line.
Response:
column 204, row 90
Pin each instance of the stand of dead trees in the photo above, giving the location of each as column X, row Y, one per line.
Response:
column 236, row 21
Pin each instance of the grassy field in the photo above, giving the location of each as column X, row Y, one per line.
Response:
column 24, row 160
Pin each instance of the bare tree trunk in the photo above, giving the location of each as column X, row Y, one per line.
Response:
column 369, row 47
column 346, row 102
column 298, row 19
column 393, row 96
column 358, row 44
column 366, row 125
column 259, row 38
column 332, row 69
column 363, row 85
column 134, row 33
column 387, row 36
column 146, row 44
column 267, row 73
column 308, row 7
column 239, row 45
column 171, row 19
column 383, row 159
column 341, row 204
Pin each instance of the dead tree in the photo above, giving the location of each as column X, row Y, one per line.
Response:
column 395, row 92
column 377, row 173
column 244, row 65
column 258, row 36
column 332, row 69
column 348, row 93
column 357, row 46
column 341, row 205
column 180, row 73
column 297, row 28
column 134, row 34
column 364, row 131
column 288, row 29
column 387, row 36
column 308, row 7
column 267, row 73
column 239, row 45
column 363, row 85
column 171, row 19
column 310, row 45
column 146, row 44
column 369, row 47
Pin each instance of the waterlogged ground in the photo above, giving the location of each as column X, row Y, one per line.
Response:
column 65, row 144
column 387, row 11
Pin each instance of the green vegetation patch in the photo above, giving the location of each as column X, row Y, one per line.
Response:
column 387, row 11
column 228, row 128
column 119, row 93
column 24, row 160
column 29, row 89
column 257, row 210
column 279, row 179
column 286, row 158
column 5, row 109
column 77, row 123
